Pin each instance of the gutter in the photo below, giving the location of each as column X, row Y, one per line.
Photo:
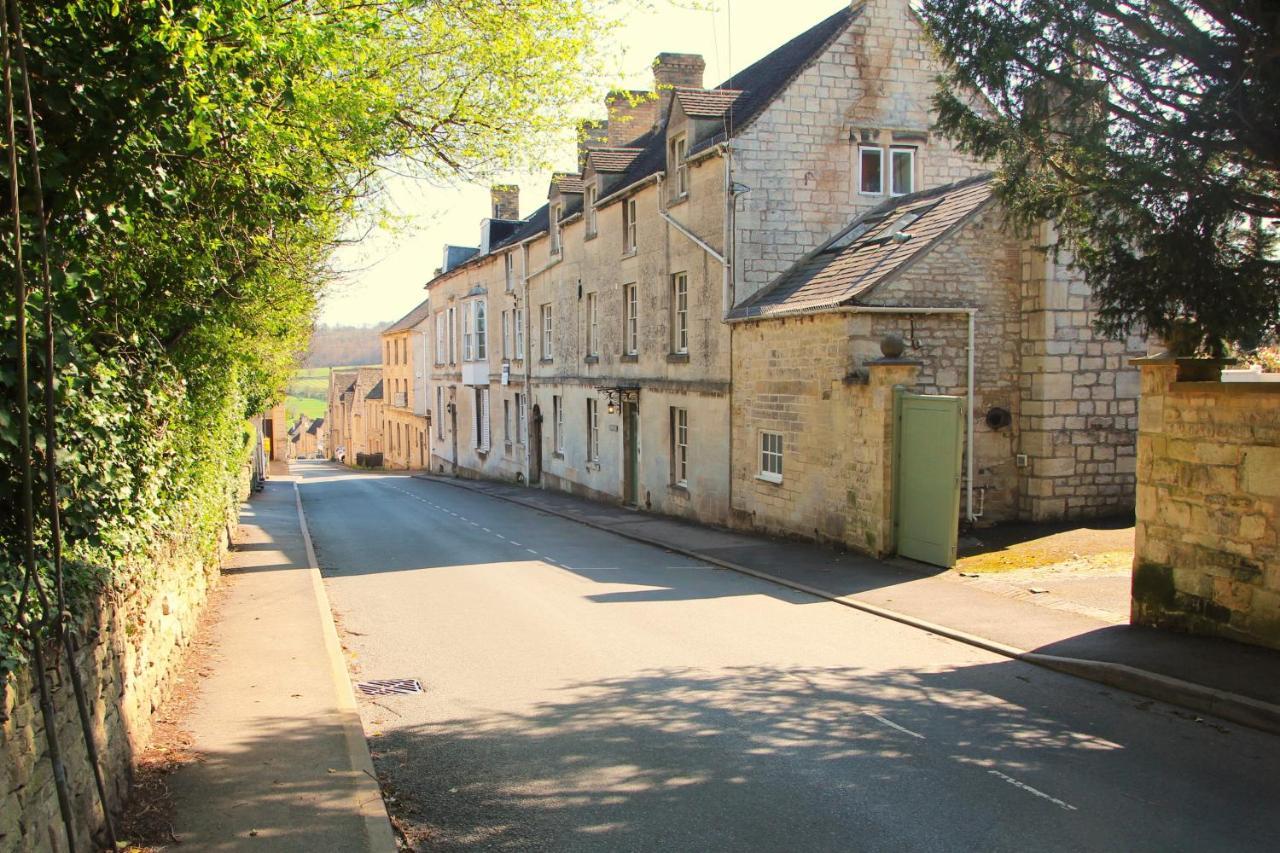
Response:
column 971, row 313
column 656, row 176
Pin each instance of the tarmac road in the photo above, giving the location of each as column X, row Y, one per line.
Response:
column 587, row 692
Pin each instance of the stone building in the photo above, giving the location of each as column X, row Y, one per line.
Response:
column 338, row 412
column 357, row 418
column 403, row 372
column 614, row 343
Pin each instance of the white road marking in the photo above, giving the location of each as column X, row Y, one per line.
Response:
column 486, row 530
column 531, row 551
column 517, row 544
column 891, row 724
column 1030, row 790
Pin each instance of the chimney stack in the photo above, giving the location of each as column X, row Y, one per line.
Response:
column 631, row 116
column 675, row 69
column 506, row 201
column 591, row 134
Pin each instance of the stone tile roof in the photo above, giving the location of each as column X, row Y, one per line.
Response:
column 568, row 183
column 874, row 249
column 315, row 426
column 613, row 159
column 706, row 103
column 413, row 318
column 375, row 393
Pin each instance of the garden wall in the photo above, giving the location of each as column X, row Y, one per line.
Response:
column 1207, row 549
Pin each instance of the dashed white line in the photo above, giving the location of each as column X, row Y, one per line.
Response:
column 531, row 551
column 1030, row 790
column 891, row 724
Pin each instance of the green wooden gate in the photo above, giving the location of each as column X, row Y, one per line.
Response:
column 929, row 442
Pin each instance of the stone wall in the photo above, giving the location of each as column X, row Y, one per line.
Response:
column 799, row 377
column 874, row 82
column 1207, row 549
column 129, row 661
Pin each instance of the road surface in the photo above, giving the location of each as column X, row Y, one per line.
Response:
column 587, row 692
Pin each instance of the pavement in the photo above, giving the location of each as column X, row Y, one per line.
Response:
column 586, row 691
column 1231, row 680
column 284, row 765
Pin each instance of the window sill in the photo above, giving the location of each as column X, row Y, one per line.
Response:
column 558, row 455
column 590, row 235
column 681, row 489
column 677, row 358
column 678, row 200
column 629, row 253
column 629, row 358
column 591, row 359
column 592, row 465
column 545, row 360
column 772, row 479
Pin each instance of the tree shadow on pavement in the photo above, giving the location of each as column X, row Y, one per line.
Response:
column 980, row 757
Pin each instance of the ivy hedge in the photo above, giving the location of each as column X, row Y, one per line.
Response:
column 200, row 159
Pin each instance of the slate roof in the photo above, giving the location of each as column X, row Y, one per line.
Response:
column 873, row 250
column 413, row 318
column 315, row 426
column 613, row 159
column 375, row 393
column 706, row 103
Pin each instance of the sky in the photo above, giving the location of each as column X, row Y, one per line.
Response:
column 383, row 274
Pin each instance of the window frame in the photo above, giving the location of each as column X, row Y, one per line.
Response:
column 593, row 325
column 557, row 424
column 879, row 152
column 680, row 447
column 554, row 227
column 517, row 320
column 766, row 453
column 522, row 419
column 547, row 342
column 677, row 153
column 441, row 351
column 480, row 321
column 589, row 210
column 506, row 419
column 508, row 270
column 630, row 242
column 910, row 151
column 593, row 430
column 680, row 313
column 506, row 335
column 631, row 319
column 466, row 330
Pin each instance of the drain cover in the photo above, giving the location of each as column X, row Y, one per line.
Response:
column 390, row 686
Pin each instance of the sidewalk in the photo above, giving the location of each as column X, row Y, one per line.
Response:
column 284, row 764
column 1234, row 681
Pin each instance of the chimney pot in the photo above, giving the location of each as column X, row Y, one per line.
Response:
column 678, row 69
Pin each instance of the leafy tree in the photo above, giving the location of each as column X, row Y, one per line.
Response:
column 200, row 158
column 1147, row 131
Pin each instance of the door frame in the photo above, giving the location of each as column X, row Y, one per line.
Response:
column 631, row 452
column 900, row 398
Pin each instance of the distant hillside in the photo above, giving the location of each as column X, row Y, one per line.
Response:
column 334, row 346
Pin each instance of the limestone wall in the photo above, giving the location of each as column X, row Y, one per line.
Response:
column 128, row 660
column 796, row 377
column 874, row 82
column 1207, row 549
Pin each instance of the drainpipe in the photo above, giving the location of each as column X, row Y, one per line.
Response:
column 971, row 313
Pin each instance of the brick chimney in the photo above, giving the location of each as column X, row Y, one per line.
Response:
column 675, row 69
column 506, row 201
column 678, row 69
column 631, row 115
column 591, row 134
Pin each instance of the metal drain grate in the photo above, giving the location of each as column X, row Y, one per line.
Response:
column 390, row 686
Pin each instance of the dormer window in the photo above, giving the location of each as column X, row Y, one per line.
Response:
column 871, row 170
column 678, row 167
column 589, row 210
column 555, row 229
column 902, row 171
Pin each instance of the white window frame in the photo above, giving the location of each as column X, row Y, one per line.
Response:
column 522, row 419
column 517, row 320
column 593, row 430
column 879, row 152
column 481, row 420
column 893, row 171
column 509, row 270
column 631, row 323
column 439, row 411
column 772, row 446
column 593, row 325
column 680, row 165
column 680, row 313
column 441, row 350
column 555, row 229
column 589, row 210
column 480, row 318
column 680, row 446
column 557, row 424
column 467, row 308
column 506, row 334
column 506, row 420
column 547, row 342
column 453, row 341
column 629, row 241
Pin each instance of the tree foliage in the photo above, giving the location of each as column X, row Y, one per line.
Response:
column 200, row 158
column 1148, row 130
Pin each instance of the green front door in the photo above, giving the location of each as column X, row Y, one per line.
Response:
column 927, row 489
